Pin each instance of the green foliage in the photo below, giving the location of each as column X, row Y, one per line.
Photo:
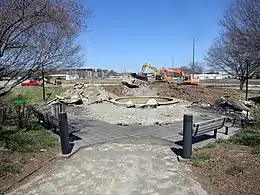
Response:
column 256, row 149
column 249, row 138
column 31, row 140
column 210, row 145
column 32, row 95
column 199, row 160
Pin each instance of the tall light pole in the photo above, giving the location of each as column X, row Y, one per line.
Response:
column 193, row 58
column 172, row 62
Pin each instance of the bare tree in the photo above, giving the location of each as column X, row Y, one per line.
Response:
column 239, row 41
column 36, row 33
column 197, row 68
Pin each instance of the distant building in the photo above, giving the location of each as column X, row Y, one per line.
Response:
column 84, row 73
column 212, row 76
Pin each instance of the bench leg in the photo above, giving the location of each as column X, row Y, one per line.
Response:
column 226, row 130
column 215, row 133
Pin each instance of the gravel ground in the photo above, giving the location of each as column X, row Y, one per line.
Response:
column 149, row 116
column 117, row 168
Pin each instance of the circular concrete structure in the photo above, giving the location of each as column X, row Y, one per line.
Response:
column 143, row 101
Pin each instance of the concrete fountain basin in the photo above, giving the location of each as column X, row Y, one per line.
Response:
column 142, row 101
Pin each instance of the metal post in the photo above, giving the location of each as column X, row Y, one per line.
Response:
column 247, row 79
column 64, row 133
column 187, row 136
column 43, row 86
column 247, row 64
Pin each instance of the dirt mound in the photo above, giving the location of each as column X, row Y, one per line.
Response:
column 196, row 93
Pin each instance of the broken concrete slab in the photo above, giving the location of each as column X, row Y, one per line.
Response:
column 129, row 84
column 227, row 103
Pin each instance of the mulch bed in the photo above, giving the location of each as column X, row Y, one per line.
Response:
column 230, row 169
column 28, row 163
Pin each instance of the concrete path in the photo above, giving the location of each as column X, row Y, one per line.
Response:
column 123, row 160
column 129, row 167
column 96, row 131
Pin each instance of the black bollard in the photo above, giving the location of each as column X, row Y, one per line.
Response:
column 64, row 133
column 187, row 136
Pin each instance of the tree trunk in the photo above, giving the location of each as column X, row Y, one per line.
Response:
column 242, row 82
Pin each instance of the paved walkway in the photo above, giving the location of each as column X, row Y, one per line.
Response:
column 129, row 167
column 132, row 160
column 96, row 131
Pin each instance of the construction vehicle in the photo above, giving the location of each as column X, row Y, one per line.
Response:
column 186, row 78
column 158, row 75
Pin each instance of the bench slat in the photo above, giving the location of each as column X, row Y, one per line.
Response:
column 207, row 126
column 210, row 121
column 211, row 126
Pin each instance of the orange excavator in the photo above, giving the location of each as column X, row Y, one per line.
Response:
column 186, row 79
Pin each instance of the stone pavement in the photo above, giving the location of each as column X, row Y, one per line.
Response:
column 95, row 131
column 127, row 167
column 118, row 160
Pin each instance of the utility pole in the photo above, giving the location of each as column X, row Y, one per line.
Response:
column 172, row 62
column 43, row 87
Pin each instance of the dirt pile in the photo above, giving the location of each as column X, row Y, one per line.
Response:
column 196, row 93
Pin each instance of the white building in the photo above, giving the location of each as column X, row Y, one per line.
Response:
column 212, row 76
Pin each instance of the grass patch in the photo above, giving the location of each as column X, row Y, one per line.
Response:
column 32, row 140
column 32, row 95
column 199, row 160
column 249, row 138
column 210, row 145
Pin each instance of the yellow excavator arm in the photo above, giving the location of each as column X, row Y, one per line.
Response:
column 155, row 70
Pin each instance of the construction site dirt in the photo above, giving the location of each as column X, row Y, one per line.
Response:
column 190, row 99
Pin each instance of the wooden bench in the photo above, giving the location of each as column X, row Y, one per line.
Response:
column 211, row 125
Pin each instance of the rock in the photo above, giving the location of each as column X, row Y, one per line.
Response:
column 249, row 103
column 79, row 86
column 205, row 105
column 245, row 112
column 122, row 124
column 129, row 104
column 151, row 102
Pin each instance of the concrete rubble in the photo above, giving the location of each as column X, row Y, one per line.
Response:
column 239, row 109
column 82, row 94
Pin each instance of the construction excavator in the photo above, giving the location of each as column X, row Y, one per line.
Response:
column 158, row 75
column 186, row 79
